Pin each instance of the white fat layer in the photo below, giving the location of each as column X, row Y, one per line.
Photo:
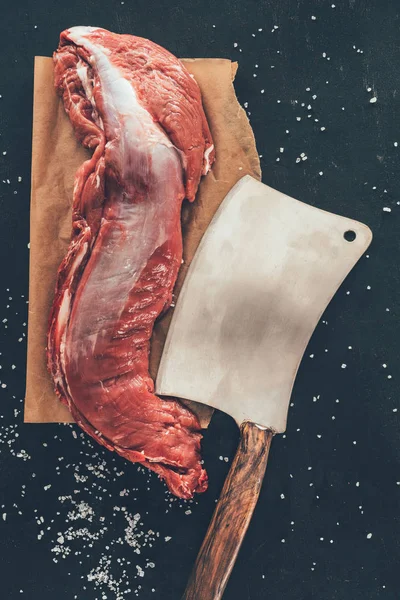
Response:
column 81, row 30
column 81, row 68
column 82, row 71
column 141, row 152
column 65, row 310
column 207, row 157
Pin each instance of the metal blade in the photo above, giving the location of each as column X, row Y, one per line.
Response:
column 263, row 274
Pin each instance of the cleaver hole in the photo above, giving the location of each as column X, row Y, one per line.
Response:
column 350, row 235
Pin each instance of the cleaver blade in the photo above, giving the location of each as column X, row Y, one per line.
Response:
column 263, row 274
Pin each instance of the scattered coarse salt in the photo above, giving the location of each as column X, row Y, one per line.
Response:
column 373, row 100
column 313, row 18
column 344, row 365
column 369, row 536
column 395, row 144
column 386, row 209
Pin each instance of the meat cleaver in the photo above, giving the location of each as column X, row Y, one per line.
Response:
column 263, row 274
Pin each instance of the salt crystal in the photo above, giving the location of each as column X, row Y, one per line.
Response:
column 373, row 100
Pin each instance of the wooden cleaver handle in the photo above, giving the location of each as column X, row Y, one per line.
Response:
column 232, row 515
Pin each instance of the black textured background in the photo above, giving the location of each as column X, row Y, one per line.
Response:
column 355, row 461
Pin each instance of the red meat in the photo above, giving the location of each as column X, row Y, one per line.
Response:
column 135, row 106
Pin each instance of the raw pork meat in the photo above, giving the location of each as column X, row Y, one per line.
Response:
column 135, row 106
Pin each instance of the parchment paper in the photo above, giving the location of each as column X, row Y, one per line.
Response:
column 56, row 156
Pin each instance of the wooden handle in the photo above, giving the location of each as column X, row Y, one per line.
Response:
column 232, row 515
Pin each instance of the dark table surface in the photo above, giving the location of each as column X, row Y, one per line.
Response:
column 78, row 522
